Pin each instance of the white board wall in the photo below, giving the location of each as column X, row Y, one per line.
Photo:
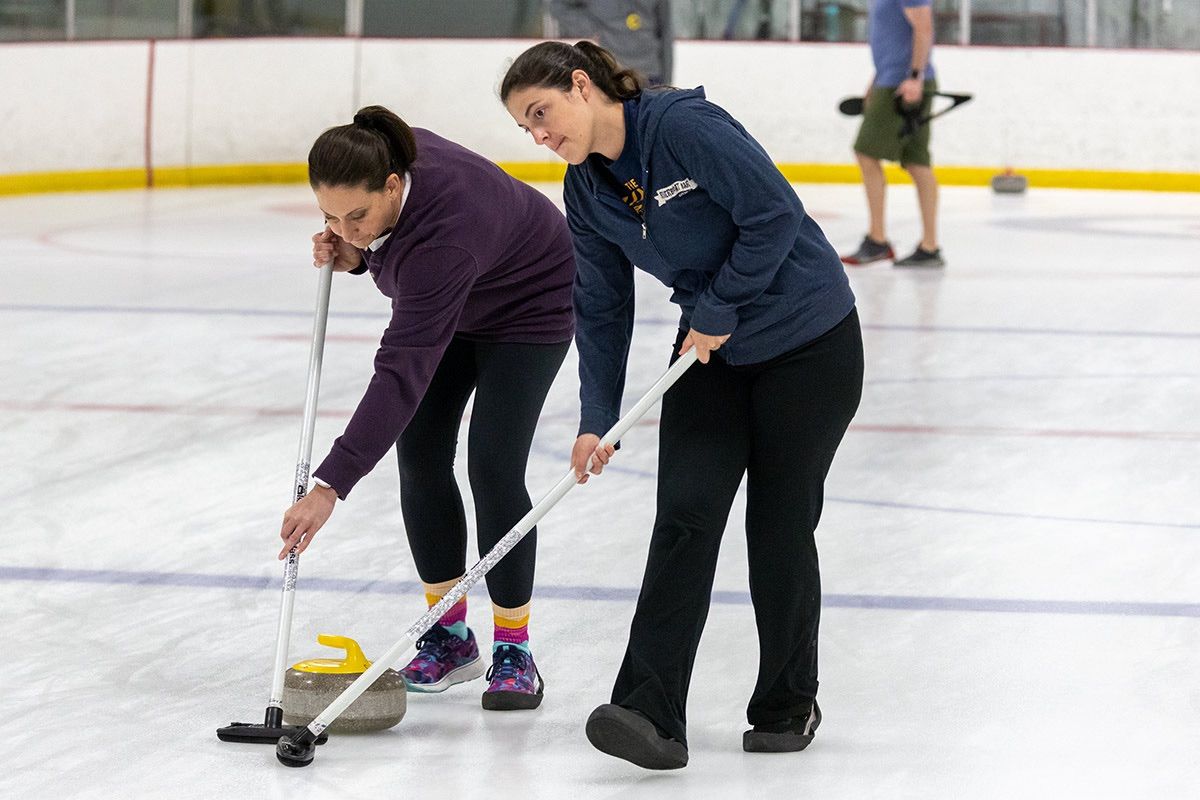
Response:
column 83, row 106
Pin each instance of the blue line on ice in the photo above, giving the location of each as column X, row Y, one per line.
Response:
column 603, row 593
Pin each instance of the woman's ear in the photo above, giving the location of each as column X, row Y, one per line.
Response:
column 393, row 185
column 581, row 82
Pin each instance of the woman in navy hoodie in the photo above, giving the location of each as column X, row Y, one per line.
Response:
column 478, row 268
column 669, row 182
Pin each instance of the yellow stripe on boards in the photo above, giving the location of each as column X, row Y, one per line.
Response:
column 231, row 174
column 552, row 172
column 1132, row 181
column 90, row 181
column 535, row 171
column 982, row 176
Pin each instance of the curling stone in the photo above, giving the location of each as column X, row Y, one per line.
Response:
column 1009, row 182
column 310, row 686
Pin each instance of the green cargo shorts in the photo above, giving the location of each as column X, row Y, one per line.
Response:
column 879, row 135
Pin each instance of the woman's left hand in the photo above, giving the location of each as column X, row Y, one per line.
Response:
column 703, row 343
column 306, row 516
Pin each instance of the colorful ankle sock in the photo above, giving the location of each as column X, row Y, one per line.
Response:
column 434, row 592
column 512, row 626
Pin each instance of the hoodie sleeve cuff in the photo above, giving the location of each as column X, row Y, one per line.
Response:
column 596, row 421
column 714, row 320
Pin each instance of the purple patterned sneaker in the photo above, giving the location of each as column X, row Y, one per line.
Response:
column 445, row 658
column 515, row 681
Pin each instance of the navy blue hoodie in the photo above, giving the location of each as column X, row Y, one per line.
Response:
column 722, row 228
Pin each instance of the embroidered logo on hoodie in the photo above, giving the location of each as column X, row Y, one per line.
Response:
column 674, row 190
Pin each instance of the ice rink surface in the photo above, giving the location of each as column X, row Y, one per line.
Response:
column 1010, row 545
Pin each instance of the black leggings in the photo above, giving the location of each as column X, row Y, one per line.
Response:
column 510, row 382
column 778, row 423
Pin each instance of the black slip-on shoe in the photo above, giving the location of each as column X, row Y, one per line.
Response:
column 790, row 736
column 923, row 258
column 627, row 734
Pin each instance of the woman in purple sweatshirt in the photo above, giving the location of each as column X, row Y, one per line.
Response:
column 479, row 269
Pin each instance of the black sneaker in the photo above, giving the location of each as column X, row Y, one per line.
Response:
column 629, row 734
column 868, row 252
column 789, row 736
column 923, row 258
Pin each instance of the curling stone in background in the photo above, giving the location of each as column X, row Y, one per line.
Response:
column 310, row 686
column 1009, row 182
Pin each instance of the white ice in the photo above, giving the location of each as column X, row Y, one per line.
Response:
column 1010, row 545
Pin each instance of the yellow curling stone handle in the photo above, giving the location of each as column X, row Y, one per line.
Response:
column 354, row 661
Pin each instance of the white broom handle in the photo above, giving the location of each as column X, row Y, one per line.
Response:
column 300, row 488
column 473, row 576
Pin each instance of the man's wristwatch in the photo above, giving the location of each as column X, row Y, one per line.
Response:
column 914, row 73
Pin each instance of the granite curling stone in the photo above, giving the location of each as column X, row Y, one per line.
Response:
column 310, row 686
column 1009, row 182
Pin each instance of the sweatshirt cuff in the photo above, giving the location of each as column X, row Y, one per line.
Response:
column 713, row 320
column 596, row 421
column 336, row 476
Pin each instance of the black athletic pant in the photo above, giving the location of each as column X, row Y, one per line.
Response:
column 779, row 423
column 510, row 382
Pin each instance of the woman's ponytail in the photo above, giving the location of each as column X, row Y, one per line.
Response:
column 375, row 145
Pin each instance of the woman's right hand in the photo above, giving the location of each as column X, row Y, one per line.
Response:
column 328, row 246
column 306, row 516
column 588, row 446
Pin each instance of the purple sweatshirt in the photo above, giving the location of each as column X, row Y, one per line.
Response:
column 475, row 254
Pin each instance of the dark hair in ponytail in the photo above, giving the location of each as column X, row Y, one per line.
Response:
column 550, row 64
column 367, row 150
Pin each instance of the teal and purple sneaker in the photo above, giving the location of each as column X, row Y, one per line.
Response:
column 447, row 656
column 515, row 682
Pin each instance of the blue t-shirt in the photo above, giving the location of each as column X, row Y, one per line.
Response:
column 891, row 37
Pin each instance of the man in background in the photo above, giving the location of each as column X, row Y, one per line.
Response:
column 637, row 32
column 901, row 37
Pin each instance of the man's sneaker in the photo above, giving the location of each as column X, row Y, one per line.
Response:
column 629, row 734
column 788, row 736
column 515, row 682
column 444, row 660
column 923, row 258
column 868, row 252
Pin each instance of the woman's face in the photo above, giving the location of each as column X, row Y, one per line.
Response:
column 359, row 216
column 562, row 121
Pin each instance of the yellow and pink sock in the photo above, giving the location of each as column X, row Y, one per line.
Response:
column 434, row 592
column 512, row 625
